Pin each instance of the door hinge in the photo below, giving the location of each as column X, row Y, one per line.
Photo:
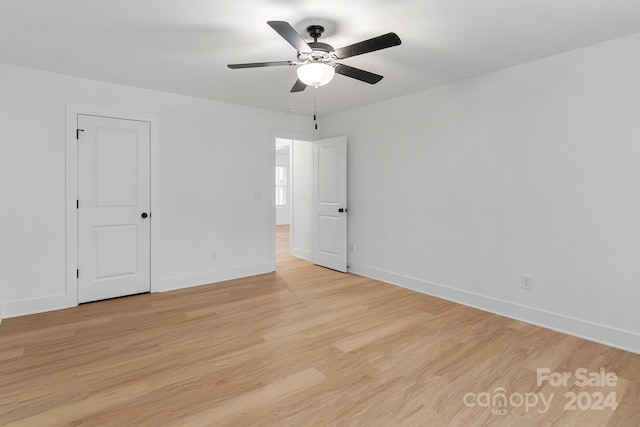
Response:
column 77, row 273
column 77, row 204
column 78, row 133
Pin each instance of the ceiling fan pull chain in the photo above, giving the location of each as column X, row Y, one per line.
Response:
column 315, row 106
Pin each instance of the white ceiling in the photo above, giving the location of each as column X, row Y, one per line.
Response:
column 183, row 46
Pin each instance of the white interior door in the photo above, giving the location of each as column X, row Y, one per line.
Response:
column 114, row 236
column 329, row 207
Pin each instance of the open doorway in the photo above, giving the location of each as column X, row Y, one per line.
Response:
column 283, row 181
column 292, row 180
column 283, row 198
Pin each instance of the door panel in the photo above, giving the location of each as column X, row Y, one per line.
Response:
column 329, row 225
column 113, row 192
column 328, row 238
column 116, row 250
column 328, row 162
column 116, row 167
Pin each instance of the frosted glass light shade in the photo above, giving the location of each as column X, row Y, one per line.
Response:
column 316, row 74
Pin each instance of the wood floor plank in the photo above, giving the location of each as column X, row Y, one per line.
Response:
column 304, row 346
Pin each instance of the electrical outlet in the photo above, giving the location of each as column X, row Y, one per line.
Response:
column 351, row 247
column 526, row 282
column 213, row 255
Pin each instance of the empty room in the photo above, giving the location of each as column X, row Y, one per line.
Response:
column 320, row 213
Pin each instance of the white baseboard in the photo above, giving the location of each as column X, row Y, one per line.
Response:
column 606, row 335
column 299, row 253
column 58, row 302
column 182, row 282
column 36, row 305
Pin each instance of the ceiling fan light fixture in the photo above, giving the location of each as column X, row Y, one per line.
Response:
column 315, row 73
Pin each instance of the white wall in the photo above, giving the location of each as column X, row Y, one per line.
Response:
column 213, row 158
column 459, row 190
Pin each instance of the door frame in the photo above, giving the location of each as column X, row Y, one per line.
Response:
column 272, row 186
column 71, row 211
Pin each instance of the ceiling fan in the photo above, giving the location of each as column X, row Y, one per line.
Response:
column 317, row 62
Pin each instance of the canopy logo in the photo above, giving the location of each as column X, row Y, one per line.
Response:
column 501, row 402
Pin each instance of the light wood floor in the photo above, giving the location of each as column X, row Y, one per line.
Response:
column 305, row 346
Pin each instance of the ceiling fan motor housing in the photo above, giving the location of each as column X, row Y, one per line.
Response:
column 320, row 52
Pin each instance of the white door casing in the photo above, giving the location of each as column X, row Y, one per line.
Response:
column 329, row 209
column 113, row 193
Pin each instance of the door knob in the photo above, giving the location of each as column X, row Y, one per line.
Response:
column 144, row 215
column 343, row 210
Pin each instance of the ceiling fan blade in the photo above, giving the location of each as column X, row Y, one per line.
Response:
column 299, row 86
column 260, row 64
column 289, row 34
column 358, row 74
column 371, row 45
